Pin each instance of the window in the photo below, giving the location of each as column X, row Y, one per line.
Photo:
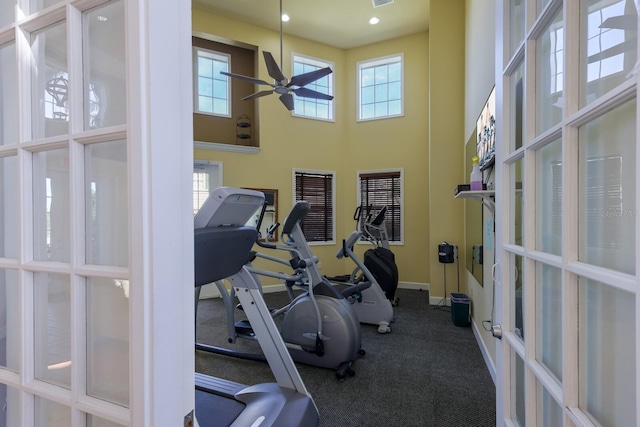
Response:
column 378, row 189
column 206, row 177
column 310, row 107
column 212, row 89
column 317, row 188
column 380, row 88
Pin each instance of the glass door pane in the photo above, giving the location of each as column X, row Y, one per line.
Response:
column 516, row 82
column 516, row 236
column 9, row 320
column 104, row 51
column 38, row 5
column 607, row 354
column 549, row 412
column 609, row 31
column 518, row 296
column 517, row 24
column 52, row 310
column 106, row 204
column 51, row 414
column 93, row 421
column 8, row 93
column 549, row 346
column 51, row 203
column 10, row 415
column 108, row 339
column 549, row 75
column 517, row 389
column 7, row 12
column 607, row 188
column 549, row 198
column 9, row 214
column 49, row 82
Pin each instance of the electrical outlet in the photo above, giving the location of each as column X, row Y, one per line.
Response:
column 319, row 265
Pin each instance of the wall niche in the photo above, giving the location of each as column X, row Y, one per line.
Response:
column 225, row 130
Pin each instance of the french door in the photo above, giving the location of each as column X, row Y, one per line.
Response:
column 96, row 294
column 567, row 216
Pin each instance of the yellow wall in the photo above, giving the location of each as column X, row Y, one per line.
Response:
column 446, row 136
column 480, row 79
column 346, row 146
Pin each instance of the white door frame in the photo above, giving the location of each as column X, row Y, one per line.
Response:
column 161, row 167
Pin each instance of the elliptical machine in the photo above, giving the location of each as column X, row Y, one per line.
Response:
column 319, row 326
column 379, row 260
column 371, row 305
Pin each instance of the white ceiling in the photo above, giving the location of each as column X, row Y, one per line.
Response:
column 340, row 23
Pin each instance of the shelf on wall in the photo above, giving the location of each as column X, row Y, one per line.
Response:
column 486, row 197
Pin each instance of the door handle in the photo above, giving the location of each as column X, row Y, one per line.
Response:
column 496, row 331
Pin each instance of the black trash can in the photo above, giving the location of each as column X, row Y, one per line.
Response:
column 460, row 309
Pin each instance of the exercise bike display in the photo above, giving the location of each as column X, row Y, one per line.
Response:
column 319, row 326
column 222, row 244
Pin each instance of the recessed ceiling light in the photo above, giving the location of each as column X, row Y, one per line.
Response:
column 374, row 21
column 285, row 17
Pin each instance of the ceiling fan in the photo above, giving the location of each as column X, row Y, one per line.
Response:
column 283, row 86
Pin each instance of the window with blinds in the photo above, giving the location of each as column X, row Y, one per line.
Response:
column 380, row 189
column 317, row 188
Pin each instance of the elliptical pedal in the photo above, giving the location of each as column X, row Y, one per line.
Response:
column 243, row 328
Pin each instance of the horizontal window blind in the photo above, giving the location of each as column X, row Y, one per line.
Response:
column 317, row 189
column 380, row 189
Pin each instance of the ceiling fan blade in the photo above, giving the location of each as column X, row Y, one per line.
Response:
column 311, row 76
column 245, row 78
column 309, row 93
column 287, row 100
column 272, row 67
column 257, row 95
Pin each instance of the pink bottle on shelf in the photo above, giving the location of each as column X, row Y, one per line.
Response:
column 476, row 175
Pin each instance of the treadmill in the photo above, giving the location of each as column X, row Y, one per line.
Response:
column 222, row 243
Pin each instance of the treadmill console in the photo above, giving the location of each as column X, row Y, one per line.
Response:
column 227, row 206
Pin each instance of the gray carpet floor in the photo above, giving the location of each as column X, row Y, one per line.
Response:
column 426, row 372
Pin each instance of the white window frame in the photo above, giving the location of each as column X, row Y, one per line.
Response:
column 214, row 170
column 359, row 199
column 213, row 55
column 369, row 63
column 319, row 63
column 333, row 199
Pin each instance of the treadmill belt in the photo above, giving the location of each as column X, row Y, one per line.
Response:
column 216, row 411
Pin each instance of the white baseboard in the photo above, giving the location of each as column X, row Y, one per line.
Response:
column 438, row 301
column 414, row 285
column 211, row 291
column 485, row 352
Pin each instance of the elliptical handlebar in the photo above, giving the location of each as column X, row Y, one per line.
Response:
column 298, row 214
